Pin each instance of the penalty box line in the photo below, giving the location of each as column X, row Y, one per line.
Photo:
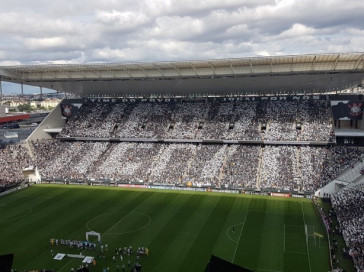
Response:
column 241, row 231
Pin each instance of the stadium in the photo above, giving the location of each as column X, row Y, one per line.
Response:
column 252, row 163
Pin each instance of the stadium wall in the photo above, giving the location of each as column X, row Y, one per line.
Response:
column 330, row 188
column 53, row 120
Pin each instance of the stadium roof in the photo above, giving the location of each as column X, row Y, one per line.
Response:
column 281, row 74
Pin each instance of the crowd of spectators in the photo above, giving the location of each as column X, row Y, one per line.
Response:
column 214, row 120
column 337, row 161
column 133, row 165
column 315, row 120
column 311, row 167
column 205, row 167
column 13, row 159
column 279, row 168
column 304, row 168
column 283, row 167
column 172, row 163
column 57, row 159
column 93, row 119
column 349, row 207
column 241, row 166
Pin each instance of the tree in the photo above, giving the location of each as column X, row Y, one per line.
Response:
column 25, row 107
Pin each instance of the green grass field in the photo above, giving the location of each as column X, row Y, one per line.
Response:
column 181, row 229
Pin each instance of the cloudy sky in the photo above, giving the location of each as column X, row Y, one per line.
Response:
column 89, row 31
column 86, row 31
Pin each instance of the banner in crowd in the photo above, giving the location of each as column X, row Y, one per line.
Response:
column 281, row 194
column 329, row 97
column 69, row 109
column 347, row 110
column 132, row 186
column 210, row 98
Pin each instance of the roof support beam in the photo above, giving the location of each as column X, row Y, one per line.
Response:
column 177, row 70
column 358, row 62
column 231, row 67
column 95, row 72
column 126, row 71
column 212, row 67
column 112, row 73
column 159, row 69
column 142, row 70
column 194, row 69
column 337, row 58
column 313, row 63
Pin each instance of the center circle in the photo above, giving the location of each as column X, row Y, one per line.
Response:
column 118, row 222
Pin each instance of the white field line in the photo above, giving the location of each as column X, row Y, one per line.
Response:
column 308, row 253
column 241, row 231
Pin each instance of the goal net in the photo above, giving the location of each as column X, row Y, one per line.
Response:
column 310, row 235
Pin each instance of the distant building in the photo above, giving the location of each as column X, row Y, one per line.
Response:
column 16, row 103
column 50, row 102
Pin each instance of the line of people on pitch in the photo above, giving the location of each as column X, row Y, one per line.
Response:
column 73, row 243
column 128, row 251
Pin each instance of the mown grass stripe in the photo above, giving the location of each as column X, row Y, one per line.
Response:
column 207, row 237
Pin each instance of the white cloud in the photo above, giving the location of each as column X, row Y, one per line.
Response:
column 178, row 28
column 297, row 30
column 44, row 43
column 124, row 19
column 71, row 31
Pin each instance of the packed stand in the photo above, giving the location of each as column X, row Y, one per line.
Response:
column 281, row 117
column 279, row 168
column 129, row 162
column 245, row 121
column 316, row 121
column 172, row 164
column 311, row 165
column 284, row 167
column 146, row 120
column 204, row 119
column 91, row 121
column 304, row 168
column 186, row 119
column 206, row 165
column 67, row 160
column 13, row 159
column 337, row 159
column 349, row 207
column 241, row 166
column 216, row 121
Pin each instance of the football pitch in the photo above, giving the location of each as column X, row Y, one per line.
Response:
column 180, row 229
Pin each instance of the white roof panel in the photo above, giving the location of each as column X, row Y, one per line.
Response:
column 70, row 75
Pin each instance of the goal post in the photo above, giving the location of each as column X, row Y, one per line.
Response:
column 310, row 235
column 93, row 233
